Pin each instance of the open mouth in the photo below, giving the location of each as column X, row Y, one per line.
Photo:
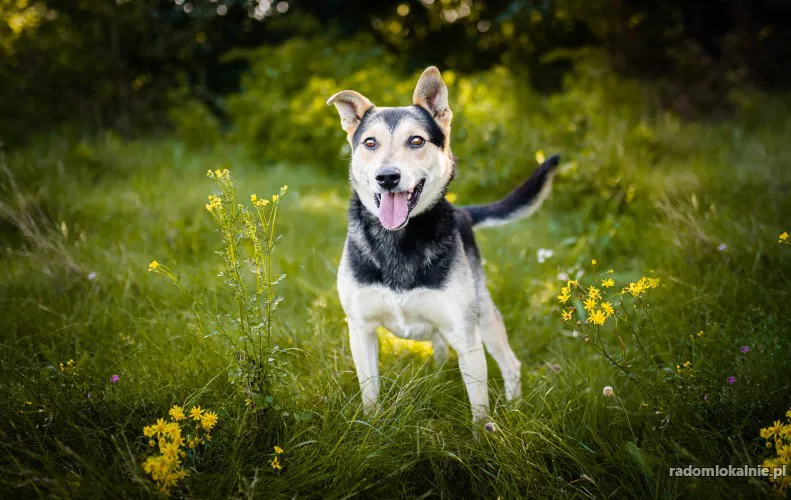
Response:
column 394, row 208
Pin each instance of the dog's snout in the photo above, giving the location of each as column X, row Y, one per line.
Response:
column 388, row 177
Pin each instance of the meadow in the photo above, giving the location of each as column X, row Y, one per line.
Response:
column 96, row 347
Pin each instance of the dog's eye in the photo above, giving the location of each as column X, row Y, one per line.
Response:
column 370, row 143
column 416, row 141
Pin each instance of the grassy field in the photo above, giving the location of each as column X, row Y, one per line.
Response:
column 698, row 206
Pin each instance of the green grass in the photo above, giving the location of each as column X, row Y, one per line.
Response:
column 661, row 206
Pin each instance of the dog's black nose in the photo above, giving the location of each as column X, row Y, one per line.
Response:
column 388, row 177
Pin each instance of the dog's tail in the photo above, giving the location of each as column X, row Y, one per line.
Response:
column 521, row 202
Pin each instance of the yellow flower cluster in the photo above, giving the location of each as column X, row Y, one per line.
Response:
column 276, row 461
column 598, row 310
column 784, row 238
column 640, row 286
column 778, row 435
column 218, row 174
column 67, row 367
column 595, row 303
column 153, row 266
column 565, row 292
column 215, row 203
column 166, row 468
column 685, row 369
column 258, row 202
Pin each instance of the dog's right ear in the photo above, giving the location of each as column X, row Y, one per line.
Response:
column 351, row 106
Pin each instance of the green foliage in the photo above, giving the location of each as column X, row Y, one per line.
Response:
column 281, row 108
column 195, row 124
column 699, row 206
column 248, row 242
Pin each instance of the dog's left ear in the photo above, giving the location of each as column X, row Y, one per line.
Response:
column 351, row 106
column 431, row 94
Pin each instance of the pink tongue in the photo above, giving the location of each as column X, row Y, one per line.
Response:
column 393, row 210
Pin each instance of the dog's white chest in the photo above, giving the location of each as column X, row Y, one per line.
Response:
column 415, row 314
column 418, row 313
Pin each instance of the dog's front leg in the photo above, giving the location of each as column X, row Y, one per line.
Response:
column 472, row 364
column 365, row 352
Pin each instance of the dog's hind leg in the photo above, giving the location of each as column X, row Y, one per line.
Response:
column 365, row 352
column 492, row 331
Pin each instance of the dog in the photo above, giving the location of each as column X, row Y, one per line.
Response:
column 410, row 262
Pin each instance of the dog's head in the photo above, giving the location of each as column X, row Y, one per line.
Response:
column 401, row 160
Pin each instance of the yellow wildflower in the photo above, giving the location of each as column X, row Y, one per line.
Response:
column 567, row 314
column 278, row 449
column 701, row 334
column 275, row 198
column 153, row 266
column 773, row 430
column 784, row 238
column 784, row 452
column 593, row 261
column 589, row 304
column 788, row 414
column 597, row 317
column 172, row 430
column 283, row 190
column 149, row 431
column 635, row 288
column 608, row 282
column 451, row 197
column 594, row 292
column 170, row 451
column 178, row 440
column 563, row 298
column 176, row 413
column 608, row 309
column 276, row 464
column 253, row 198
column 159, row 427
column 196, row 413
column 210, row 174
column 215, row 203
column 209, row 420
